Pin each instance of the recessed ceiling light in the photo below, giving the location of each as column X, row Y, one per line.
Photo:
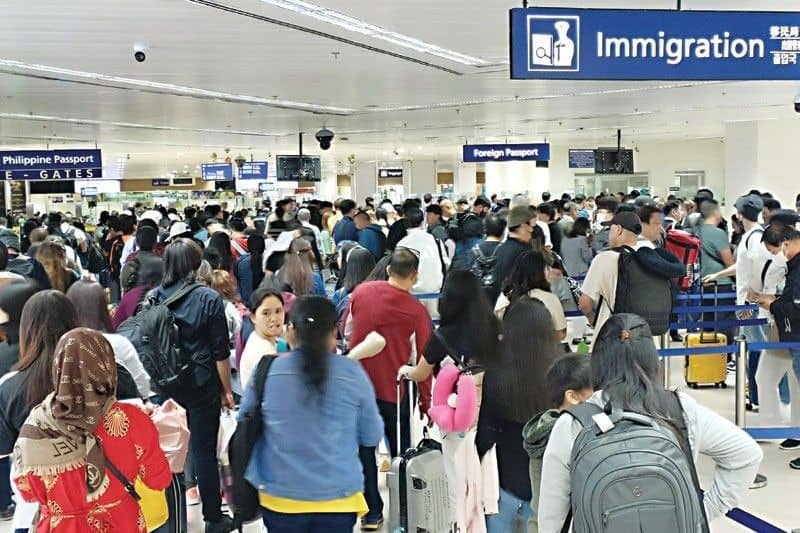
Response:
column 359, row 26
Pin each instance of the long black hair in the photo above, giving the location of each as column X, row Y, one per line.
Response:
column 515, row 387
column 182, row 258
column 580, row 228
column 221, row 244
column 625, row 367
column 344, row 253
column 463, row 301
column 256, row 246
column 360, row 263
column 379, row 273
column 314, row 319
column 527, row 274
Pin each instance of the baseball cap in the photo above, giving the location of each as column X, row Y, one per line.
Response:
column 178, row 229
column 750, row 206
column 628, row 220
column 519, row 215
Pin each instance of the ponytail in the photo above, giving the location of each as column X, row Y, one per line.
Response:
column 314, row 318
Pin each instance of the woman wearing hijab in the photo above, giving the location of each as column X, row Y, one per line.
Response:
column 12, row 299
column 93, row 435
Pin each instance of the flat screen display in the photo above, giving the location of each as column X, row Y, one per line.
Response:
column 293, row 168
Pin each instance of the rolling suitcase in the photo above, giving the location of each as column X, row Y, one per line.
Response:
column 707, row 369
column 418, row 495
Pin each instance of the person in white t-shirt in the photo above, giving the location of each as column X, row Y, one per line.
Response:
column 600, row 286
column 433, row 258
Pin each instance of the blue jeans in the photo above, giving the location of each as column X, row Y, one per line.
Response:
column 753, row 334
column 796, row 363
column 512, row 515
column 308, row 522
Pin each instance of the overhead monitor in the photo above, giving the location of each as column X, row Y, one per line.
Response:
column 293, row 168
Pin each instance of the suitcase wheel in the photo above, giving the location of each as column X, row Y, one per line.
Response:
column 724, row 385
column 693, row 385
column 717, row 385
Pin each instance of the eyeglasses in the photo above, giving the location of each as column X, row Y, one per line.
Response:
column 416, row 253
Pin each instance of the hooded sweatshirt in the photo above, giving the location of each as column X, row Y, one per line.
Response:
column 402, row 321
column 535, row 436
column 373, row 239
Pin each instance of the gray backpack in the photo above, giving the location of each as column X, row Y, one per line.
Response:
column 629, row 473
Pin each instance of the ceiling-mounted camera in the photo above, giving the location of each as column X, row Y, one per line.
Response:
column 140, row 52
column 797, row 104
column 324, row 138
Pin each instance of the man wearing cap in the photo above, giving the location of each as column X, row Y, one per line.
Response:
column 751, row 258
column 521, row 223
column 600, row 286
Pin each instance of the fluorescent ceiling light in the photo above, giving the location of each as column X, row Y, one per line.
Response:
column 18, row 67
column 134, row 125
column 359, row 26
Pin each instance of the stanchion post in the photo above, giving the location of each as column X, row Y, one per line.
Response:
column 664, row 341
column 741, row 375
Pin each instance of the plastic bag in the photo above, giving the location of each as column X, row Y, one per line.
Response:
column 173, row 433
column 227, row 425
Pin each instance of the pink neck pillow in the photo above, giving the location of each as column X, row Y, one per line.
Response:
column 454, row 405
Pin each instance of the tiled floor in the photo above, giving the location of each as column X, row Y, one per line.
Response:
column 778, row 503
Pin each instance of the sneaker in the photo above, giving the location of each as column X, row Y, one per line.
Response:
column 795, row 464
column 7, row 513
column 789, row 444
column 192, row 496
column 760, row 481
column 749, row 406
column 223, row 526
column 370, row 524
column 676, row 337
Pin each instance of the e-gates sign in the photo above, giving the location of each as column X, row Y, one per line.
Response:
column 617, row 44
column 487, row 153
column 51, row 164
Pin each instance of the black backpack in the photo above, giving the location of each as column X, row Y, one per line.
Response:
column 154, row 334
column 96, row 260
column 642, row 292
column 249, row 429
column 484, row 266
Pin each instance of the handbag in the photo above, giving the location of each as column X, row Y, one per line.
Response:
column 250, row 428
column 153, row 503
column 173, row 433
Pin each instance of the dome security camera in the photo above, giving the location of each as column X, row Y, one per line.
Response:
column 140, row 52
column 797, row 104
column 325, row 138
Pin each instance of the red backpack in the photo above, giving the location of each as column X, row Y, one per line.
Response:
column 685, row 247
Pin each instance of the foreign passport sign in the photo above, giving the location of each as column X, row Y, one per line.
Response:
column 620, row 44
column 487, row 153
column 51, row 165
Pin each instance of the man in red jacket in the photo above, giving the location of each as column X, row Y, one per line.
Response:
column 388, row 308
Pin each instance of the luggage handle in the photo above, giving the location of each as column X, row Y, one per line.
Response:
column 400, row 381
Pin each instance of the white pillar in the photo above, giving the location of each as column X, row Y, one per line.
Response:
column 423, row 177
column 364, row 181
column 742, row 161
column 464, row 179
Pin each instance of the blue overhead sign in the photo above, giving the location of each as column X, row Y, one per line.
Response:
column 620, row 44
column 581, row 158
column 486, row 153
column 51, row 164
column 253, row 171
column 216, row 171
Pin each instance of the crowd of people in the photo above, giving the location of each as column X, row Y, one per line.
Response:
column 485, row 285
